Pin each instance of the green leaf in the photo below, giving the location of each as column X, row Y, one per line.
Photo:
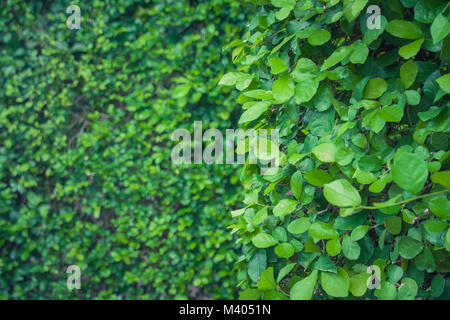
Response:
column 264, row 240
column 255, row 111
column 279, row 233
column 325, row 152
column 437, row 286
column 404, row 29
column 359, row 54
column 412, row 97
column 359, row 232
column 305, row 90
column 408, row 289
column 285, row 271
column 336, row 285
column 387, row 291
column 324, row 263
column 353, row 8
column 278, row 65
column 267, row 280
column 284, row 207
column 425, row 261
column 394, row 273
column 299, row 226
column 444, row 82
column 319, row 37
column 297, row 184
column 440, row 28
column 257, row 264
column 441, row 177
column 393, row 225
column 410, row 50
column 393, row 113
column 358, row 284
column 304, row 289
column 408, row 247
column 285, row 250
column 341, row 193
column 322, row 230
column 350, row 248
column 283, row 3
column 440, row 207
column 410, row 172
column 250, row 294
column 333, row 247
column 283, row 88
column 337, row 56
column 408, row 73
column 375, row 88
column 317, row 177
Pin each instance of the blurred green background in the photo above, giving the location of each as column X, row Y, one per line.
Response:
column 85, row 173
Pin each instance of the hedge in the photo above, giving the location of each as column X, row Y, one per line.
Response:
column 85, row 173
column 363, row 116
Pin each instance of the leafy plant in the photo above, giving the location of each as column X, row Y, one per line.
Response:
column 363, row 115
column 86, row 178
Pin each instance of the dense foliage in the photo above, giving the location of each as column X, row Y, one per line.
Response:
column 363, row 115
column 85, row 174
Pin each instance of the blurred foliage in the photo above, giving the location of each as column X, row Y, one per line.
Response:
column 85, row 173
column 364, row 121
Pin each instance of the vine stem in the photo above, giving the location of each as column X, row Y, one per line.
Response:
column 402, row 202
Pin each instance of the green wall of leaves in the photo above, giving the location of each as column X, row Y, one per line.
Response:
column 85, row 173
column 363, row 115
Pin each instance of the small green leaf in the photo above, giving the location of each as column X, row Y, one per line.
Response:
column 322, row 230
column 444, row 82
column 284, row 271
column 359, row 232
column 299, row 226
column 410, row 172
column 440, row 28
column 283, row 88
column 317, row 177
column 264, row 240
column 304, row 289
column 393, row 225
column 285, row 250
column 408, row 73
column 333, row 247
column 404, row 29
column 297, row 184
column 254, row 111
column 284, row 207
column 410, row 50
column 267, row 280
column 375, row 88
column 350, row 248
column 319, row 37
column 325, row 152
column 278, row 65
column 408, row 247
column 341, row 193
column 336, row 285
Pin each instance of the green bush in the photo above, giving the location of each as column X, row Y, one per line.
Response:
column 85, row 173
column 363, row 115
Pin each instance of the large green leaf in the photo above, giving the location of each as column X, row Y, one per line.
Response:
column 404, row 29
column 341, row 193
column 335, row 284
column 410, row 172
column 304, row 289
